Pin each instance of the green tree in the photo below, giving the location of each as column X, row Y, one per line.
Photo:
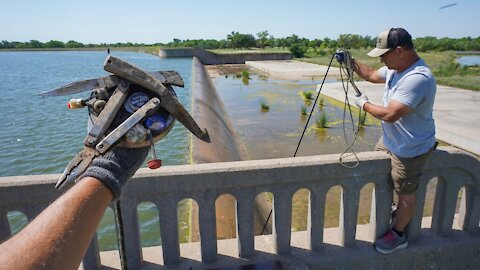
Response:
column 237, row 40
column 54, row 44
column 6, row 45
column 34, row 44
column 262, row 39
column 73, row 44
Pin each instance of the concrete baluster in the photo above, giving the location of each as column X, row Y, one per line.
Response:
column 169, row 230
column 438, row 204
column 4, row 226
column 131, row 231
column 282, row 221
column 381, row 207
column 316, row 216
column 245, row 235
column 445, row 203
column 348, row 214
column 208, row 228
column 92, row 257
column 469, row 212
column 414, row 228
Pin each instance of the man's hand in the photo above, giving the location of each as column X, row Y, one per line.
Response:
column 361, row 100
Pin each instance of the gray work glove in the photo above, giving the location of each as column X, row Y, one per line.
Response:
column 361, row 100
column 115, row 167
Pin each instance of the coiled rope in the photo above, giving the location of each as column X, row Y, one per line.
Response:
column 346, row 68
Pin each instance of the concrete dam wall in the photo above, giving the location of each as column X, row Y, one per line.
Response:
column 211, row 58
column 210, row 113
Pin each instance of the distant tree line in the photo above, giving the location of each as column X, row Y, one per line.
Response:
column 297, row 45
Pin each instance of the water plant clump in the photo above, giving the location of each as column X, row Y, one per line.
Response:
column 245, row 74
column 308, row 95
column 322, row 121
column 245, row 77
column 303, row 110
column 320, row 101
column 264, row 106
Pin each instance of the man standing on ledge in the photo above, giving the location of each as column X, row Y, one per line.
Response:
column 407, row 122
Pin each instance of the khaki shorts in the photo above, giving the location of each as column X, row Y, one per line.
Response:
column 405, row 172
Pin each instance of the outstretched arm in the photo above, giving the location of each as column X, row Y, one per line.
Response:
column 59, row 237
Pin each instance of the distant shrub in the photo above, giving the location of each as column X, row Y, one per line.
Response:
column 297, row 50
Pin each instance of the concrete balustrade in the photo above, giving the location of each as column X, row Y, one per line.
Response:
column 204, row 183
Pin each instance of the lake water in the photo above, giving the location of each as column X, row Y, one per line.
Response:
column 469, row 60
column 39, row 135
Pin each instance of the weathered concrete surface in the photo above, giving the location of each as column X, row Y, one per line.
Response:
column 458, row 250
column 210, row 113
column 211, row 58
column 438, row 248
column 456, row 111
column 293, row 70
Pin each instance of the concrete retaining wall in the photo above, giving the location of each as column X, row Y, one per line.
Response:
column 210, row 113
column 211, row 58
column 225, row 145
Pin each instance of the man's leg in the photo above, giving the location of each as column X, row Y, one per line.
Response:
column 405, row 211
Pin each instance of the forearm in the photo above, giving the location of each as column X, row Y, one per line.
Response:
column 59, row 236
column 366, row 72
column 379, row 112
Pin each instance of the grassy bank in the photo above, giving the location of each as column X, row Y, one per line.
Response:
column 443, row 65
column 253, row 50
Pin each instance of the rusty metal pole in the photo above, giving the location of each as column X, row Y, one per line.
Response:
column 120, row 235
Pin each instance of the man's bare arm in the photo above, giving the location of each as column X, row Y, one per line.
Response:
column 367, row 73
column 390, row 114
column 59, row 237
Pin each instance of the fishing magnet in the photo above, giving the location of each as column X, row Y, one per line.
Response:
column 156, row 123
column 98, row 105
column 135, row 101
column 136, row 134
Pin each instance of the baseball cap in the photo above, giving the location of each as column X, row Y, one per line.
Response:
column 389, row 39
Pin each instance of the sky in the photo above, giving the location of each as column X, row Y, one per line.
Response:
column 150, row 21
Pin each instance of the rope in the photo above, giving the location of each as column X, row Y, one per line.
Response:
column 346, row 68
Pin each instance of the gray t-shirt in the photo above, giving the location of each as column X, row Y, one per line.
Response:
column 414, row 133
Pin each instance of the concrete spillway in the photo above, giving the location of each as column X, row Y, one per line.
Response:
column 209, row 112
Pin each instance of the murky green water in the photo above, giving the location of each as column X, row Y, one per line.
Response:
column 276, row 133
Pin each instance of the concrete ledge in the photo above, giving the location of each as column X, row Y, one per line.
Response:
column 211, row 58
column 293, row 70
column 455, row 111
column 457, row 250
